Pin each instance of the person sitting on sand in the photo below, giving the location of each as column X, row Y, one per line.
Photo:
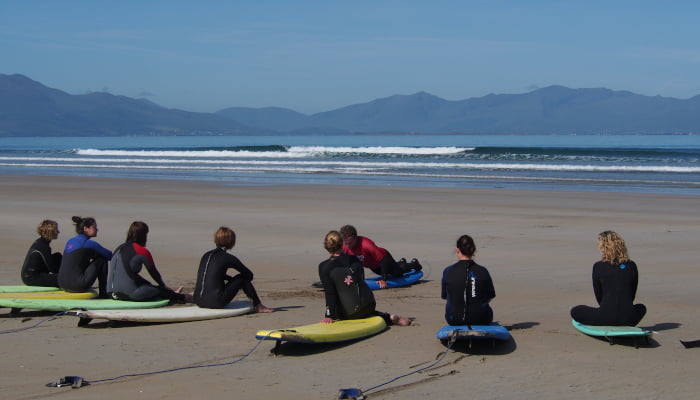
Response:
column 467, row 287
column 84, row 260
column 123, row 279
column 347, row 293
column 215, row 289
column 40, row 266
column 376, row 258
column 615, row 280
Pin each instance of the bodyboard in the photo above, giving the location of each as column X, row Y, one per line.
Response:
column 462, row 332
column 610, row 331
column 26, row 289
column 338, row 331
column 406, row 279
column 69, row 304
column 168, row 314
column 56, row 294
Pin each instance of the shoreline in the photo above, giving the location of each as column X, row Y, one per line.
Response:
column 539, row 247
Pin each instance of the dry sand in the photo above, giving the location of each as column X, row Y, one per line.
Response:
column 539, row 247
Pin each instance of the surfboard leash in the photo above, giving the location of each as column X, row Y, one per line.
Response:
column 354, row 393
column 76, row 381
column 35, row 325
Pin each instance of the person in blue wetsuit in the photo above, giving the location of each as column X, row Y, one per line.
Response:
column 215, row 288
column 40, row 266
column 467, row 287
column 347, row 294
column 84, row 260
column 123, row 279
column 615, row 279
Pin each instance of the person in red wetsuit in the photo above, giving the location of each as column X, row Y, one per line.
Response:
column 376, row 258
column 123, row 279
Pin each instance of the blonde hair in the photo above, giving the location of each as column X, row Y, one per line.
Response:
column 225, row 237
column 48, row 229
column 612, row 247
column 333, row 242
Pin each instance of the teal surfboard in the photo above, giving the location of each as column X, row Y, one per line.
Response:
column 77, row 304
column 611, row 332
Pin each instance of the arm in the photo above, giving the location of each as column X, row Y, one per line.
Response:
column 235, row 263
column 150, row 264
column 331, row 295
column 597, row 285
column 91, row 244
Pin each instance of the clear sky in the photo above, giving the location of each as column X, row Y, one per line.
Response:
column 314, row 56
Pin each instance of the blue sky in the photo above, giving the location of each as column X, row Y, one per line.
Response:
column 314, row 56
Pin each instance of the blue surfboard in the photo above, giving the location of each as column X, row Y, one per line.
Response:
column 466, row 332
column 407, row 279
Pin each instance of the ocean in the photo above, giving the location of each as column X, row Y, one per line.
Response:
column 610, row 163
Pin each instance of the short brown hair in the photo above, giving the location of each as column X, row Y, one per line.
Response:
column 466, row 245
column 348, row 231
column 225, row 237
column 137, row 233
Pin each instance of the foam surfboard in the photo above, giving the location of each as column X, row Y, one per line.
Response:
column 466, row 332
column 338, row 331
column 26, row 289
column 610, row 332
column 407, row 279
column 56, row 294
column 70, row 304
column 167, row 314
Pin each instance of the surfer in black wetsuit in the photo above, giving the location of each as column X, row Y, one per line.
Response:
column 347, row 293
column 40, row 266
column 615, row 279
column 215, row 289
column 467, row 287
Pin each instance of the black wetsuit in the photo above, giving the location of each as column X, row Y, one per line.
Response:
column 40, row 267
column 614, row 286
column 347, row 293
column 83, row 262
column 124, row 281
column 468, row 288
column 212, row 289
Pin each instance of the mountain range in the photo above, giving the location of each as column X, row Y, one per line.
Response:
column 28, row 108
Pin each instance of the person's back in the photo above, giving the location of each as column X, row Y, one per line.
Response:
column 343, row 279
column 468, row 288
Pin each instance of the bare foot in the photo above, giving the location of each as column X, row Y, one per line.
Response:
column 179, row 290
column 399, row 320
column 260, row 308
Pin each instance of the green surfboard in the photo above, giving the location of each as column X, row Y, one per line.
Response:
column 78, row 304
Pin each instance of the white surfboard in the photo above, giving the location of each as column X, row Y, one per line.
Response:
column 167, row 314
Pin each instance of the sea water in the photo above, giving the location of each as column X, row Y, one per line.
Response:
column 622, row 163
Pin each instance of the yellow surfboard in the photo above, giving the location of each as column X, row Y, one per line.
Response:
column 338, row 331
column 57, row 294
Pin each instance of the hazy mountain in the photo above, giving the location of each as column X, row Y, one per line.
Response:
column 28, row 108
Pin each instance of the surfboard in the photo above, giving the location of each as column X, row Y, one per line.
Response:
column 338, row 331
column 167, row 314
column 406, row 279
column 70, row 304
column 463, row 332
column 611, row 332
column 57, row 294
column 26, row 289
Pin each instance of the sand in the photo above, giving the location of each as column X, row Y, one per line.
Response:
column 538, row 245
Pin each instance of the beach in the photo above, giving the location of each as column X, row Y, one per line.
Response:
column 538, row 245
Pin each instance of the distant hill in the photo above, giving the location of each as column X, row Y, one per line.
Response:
column 28, row 108
column 554, row 109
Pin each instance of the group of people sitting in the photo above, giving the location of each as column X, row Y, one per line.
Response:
column 466, row 286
